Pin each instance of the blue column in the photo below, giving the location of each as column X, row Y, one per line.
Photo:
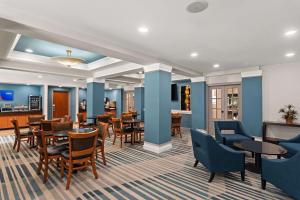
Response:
column 139, row 101
column 157, row 108
column 252, row 104
column 198, row 103
column 95, row 98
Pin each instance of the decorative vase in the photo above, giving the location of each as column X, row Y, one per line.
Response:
column 289, row 121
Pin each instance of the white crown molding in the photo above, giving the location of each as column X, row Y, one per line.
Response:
column 102, row 63
column 95, row 80
column 156, row 67
column 138, row 85
column 251, row 73
column 157, row 148
column 198, row 79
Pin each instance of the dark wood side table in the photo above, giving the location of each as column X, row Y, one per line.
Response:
column 259, row 148
column 272, row 139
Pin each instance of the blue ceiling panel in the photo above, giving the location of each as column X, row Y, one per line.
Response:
column 49, row 49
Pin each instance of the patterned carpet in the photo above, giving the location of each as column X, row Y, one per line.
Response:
column 131, row 173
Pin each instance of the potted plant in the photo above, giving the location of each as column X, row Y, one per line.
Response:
column 289, row 113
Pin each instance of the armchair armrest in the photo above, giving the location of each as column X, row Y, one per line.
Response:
column 293, row 140
column 231, row 152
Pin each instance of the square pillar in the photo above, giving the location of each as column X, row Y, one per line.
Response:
column 252, row 102
column 44, row 94
column 139, row 101
column 198, row 102
column 157, row 108
column 95, row 97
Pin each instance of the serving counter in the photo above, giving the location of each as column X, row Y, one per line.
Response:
column 21, row 116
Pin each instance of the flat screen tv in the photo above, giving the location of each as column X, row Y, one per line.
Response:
column 174, row 92
column 6, row 95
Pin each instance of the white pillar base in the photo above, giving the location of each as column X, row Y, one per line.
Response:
column 157, row 148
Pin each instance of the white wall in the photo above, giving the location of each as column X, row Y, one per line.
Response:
column 281, row 86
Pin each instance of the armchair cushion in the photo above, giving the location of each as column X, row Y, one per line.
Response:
column 229, row 139
column 294, row 140
column 292, row 148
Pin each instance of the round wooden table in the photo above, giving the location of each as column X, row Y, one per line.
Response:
column 259, row 148
column 79, row 130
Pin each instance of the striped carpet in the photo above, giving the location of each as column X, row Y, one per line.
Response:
column 131, row 173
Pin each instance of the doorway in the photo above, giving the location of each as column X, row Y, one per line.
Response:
column 224, row 103
column 128, row 101
column 60, row 104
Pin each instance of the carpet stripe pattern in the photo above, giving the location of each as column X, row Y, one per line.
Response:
column 131, row 173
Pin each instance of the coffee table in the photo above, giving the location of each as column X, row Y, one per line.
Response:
column 259, row 148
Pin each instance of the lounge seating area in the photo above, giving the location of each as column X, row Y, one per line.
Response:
column 150, row 100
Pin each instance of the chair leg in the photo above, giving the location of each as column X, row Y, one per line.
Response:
column 180, row 132
column 115, row 136
column 103, row 155
column 121, row 141
column 278, row 156
column 46, row 170
column 211, row 177
column 252, row 154
column 15, row 144
column 40, row 165
column 19, row 143
column 94, row 167
column 243, row 175
column 70, row 170
column 62, row 168
column 196, row 163
column 263, row 184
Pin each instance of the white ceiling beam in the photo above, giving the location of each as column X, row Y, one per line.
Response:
column 7, row 41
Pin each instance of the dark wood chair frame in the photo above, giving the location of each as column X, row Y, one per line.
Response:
column 19, row 137
column 118, row 131
column 101, row 139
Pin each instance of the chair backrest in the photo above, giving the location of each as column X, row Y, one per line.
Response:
column 176, row 120
column 82, row 144
column 116, row 125
column 133, row 113
column 62, row 126
column 15, row 124
column 35, row 118
column 126, row 116
column 232, row 125
column 47, row 125
column 66, row 118
column 103, row 118
column 111, row 114
column 41, row 142
column 80, row 117
column 103, row 131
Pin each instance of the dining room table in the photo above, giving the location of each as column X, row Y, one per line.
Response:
column 65, row 133
column 133, row 124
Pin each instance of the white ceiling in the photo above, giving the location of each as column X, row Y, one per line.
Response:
column 233, row 33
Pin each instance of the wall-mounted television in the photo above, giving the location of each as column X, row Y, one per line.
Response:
column 174, row 92
column 6, row 95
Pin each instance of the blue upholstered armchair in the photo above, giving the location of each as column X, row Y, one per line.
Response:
column 283, row 173
column 292, row 145
column 229, row 139
column 216, row 157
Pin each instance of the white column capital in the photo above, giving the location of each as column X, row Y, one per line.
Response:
column 156, row 67
column 198, row 79
column 95, row 80
column 251, row 73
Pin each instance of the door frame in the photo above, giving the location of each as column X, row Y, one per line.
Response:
column 69, row 99
column 224, row 85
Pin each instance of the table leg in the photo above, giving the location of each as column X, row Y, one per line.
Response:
column 255, row 167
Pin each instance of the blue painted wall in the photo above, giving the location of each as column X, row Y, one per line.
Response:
column 21, row 93
column 71, row 91
column 252, row 105
column 157, row 107
column 95, row 99
column 116, row 95
column 186, row 120
column 139, row 103
column 198, row 105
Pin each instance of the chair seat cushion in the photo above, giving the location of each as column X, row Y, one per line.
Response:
column 25, row 134
column 231, row 138
column 66, row 155
column 127, row 129
column 55, row 150
column 292, row 148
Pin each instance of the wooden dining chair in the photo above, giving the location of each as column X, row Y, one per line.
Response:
column 35, row 118
column 61, row 126
column 81, row 154
column 21, row 136
column 176, row 125
column 103, row 127
column 120, row 131
column 105, row 118
column 134, row 114
column 82, row 122
column 47, row 127
column 47, row 154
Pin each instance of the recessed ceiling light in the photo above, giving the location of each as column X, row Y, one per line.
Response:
column 197, row 6
column 75, row 80
column 143, row 29
column 29, row 50
column 290, row 33
column 173, row 73
column 290, row 54
column 194, row 54
column 141, row 72
column 40, row 76
column 216, row 65
column 110, row 88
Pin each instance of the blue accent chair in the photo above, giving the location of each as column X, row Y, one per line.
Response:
column 292, row 146
column 283, row 173
column 229, row 139
column 216, row 157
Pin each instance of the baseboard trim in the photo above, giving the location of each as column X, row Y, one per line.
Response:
column 157, row 148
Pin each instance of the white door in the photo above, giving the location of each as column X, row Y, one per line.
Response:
column 223, row 104
column 129, row 101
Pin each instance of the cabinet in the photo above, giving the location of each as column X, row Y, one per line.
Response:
column 22, row 117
